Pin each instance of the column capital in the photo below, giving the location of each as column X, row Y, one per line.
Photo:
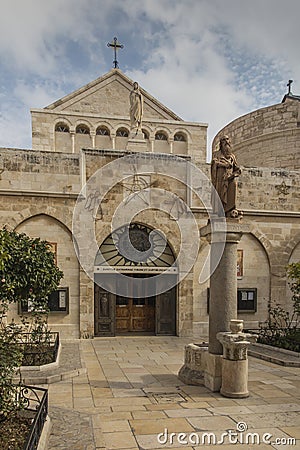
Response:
column 224, row 231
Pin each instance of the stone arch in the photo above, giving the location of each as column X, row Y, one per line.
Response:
column 181, row 142
column 183, row 131
column 62, row 119
column 83, row 140
column 54, row 231
column 164, row 131
column 263, row 240
column 294, row 256
column 103, row 140
column 162, row 145
column 115, row 298
column 142, row 230
column 147, row 130
column 83, row 126
column 255, row 273
column 62, row 141
column 84, row 122
column 122, row 132
column 292, row 244
column 118, row 126
column 105, row 125
column 121, row 139
column 32, row 211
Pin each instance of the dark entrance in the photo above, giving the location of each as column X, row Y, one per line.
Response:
column 116, row 314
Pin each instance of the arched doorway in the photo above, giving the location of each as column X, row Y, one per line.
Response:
column 144, row 299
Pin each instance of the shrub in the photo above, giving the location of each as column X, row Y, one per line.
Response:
column 28, row 273
column 282, row 327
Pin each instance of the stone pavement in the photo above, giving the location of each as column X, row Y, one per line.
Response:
column 130, row 393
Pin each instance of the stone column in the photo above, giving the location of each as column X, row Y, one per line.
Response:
column 152, row 144
column 223, row 280
column 93, row 137
column 72, row 133
column 204, row 365
column 113, row 140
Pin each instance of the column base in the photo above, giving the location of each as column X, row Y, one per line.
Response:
column 201, row 368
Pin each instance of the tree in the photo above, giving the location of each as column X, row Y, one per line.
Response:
column 28, row 272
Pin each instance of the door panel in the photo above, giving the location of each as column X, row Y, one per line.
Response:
column 136, row 315
column 104, row 312
column 122, row 314
column 166, row 313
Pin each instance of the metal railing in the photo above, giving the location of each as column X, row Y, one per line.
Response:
column 34, row 401
column 38, row 349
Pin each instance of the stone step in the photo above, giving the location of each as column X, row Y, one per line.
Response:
column 275, row 355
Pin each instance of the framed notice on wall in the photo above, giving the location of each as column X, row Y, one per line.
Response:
column 58, row 302
column 240, row 264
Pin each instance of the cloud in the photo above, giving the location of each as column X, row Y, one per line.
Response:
column 209, row 61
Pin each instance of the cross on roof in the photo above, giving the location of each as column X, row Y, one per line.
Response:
column 289, row 85
column 116, row 45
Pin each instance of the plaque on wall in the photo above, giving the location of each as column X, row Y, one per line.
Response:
column 246, row 300
column 58, row 302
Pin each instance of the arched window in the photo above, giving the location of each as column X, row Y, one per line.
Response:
column 102, row 131
column 135, row 245
column 161, row 136
column 122, row 132
column 146, row 134
column 62, row 127
column 180, row 137
column 82, row 129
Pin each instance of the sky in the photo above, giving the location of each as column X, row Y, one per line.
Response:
column 209, row 61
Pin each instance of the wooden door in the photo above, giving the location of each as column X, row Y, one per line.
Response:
column 135, row 314
column 166, row 312
column 104, row 312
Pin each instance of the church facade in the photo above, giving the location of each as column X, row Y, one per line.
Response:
column 123, row 213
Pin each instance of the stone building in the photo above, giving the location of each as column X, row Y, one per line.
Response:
column 75, row 190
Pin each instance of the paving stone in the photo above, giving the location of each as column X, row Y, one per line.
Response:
column 212, row 423
column 70, row 430
column 117, row 440
column 152, row 426
column 122, row 392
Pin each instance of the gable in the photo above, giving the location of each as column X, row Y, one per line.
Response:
column 109, row 96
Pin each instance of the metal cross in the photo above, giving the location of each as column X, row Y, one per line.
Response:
column 116, row 45
column 289, row 85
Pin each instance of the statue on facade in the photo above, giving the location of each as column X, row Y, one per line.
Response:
column 136, row 107
column 224, row 173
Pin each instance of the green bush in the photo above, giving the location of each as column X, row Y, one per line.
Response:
column 282, row 327
column 28, row 273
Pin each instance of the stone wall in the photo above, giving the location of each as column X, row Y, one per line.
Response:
column 53, row 231
column 268, row 137
column 44, row 136
column 40, row 171
column 38, row 191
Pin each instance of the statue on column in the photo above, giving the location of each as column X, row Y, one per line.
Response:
column 136, row 108
column 224, row 173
